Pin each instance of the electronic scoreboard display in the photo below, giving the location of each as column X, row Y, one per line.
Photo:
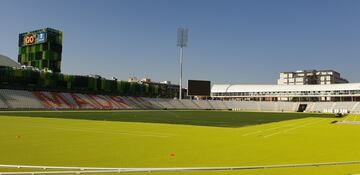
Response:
column 198, row 88
column 33, row 38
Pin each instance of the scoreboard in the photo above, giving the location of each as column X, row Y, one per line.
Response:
column 41, row 48
column 33, row 38
column 198, row 88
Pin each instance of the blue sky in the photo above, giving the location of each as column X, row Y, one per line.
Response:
column 240, row 41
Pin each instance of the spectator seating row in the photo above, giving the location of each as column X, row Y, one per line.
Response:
column 20, row 99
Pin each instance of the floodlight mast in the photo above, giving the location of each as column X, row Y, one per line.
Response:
column 182, row 37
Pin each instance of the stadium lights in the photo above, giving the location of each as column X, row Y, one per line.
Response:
column 182, row 37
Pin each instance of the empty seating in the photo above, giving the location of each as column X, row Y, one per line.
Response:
column 140, row 103
column 344, row 105
column 19, row 99
column 189, row 104
column 165, row 103
column 267, row 106
column 176, row 103
column 287, row 106
column 217, row 104
column 247, row 105
column 356, row 108
column 154, row 103
column 203, row 104
column 321, row 106
column 3, row 105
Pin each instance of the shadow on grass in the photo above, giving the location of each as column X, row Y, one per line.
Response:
column 198, row 118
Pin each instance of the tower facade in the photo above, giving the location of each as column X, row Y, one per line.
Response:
column 304, row 77
column 41, row 48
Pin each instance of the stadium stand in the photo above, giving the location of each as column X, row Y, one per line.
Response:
column 54, row 100
column 246, row 105
column 232, row 104
column 267, row 106
column 146, row 103
column 21, row 99
column 177, row 104
column 203, row 104
column 343, row 105
column 120, row 103
column 189, row 104
column 217, row 104
column 228, row 104
column 164, row 103
column 3, row 105
column 355, row 108
column 287, row 106
column 210, row 105
column 137, row 102
column 153, row 102
column 221, row 104
column 318, row 107
column 131, row 103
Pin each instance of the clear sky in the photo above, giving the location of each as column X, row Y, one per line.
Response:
column 240, row 41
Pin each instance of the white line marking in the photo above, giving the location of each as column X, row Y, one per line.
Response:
column 83, row 170
column 348, row 122
column 268, row 129
column 142, row 134
column 345, row 118
column 287, row 130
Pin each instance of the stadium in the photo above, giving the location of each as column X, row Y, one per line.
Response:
column 55, row 122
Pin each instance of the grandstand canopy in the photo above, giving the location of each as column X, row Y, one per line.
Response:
column 283, row 88
column 8, row 62
column 321, row 92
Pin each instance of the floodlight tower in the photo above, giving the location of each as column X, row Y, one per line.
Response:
column 182, row 37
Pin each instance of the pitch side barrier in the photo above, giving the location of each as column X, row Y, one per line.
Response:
column 94, row 170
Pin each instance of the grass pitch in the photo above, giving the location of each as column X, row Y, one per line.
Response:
column 179, row 139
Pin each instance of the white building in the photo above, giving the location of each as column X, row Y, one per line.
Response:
column 304, row 77
column 326, row 92
column 8, row 62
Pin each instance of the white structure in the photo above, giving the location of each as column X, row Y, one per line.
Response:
column 328, row 92
column 303, row 77
column 145, row 80
column 182, row 37
column 132, row 80
column 8, row 62
column 165, row 82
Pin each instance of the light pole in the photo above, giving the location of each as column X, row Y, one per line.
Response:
column 182, row 37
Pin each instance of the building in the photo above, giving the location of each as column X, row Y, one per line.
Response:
column 167, row 89
column 145, row 80
column 321, row 92
column 8, row 62
column 165, row 82
column 133, row 80
column 306, row 77
column 41, row 49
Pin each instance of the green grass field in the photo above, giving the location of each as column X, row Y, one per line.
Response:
column 180, row 139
